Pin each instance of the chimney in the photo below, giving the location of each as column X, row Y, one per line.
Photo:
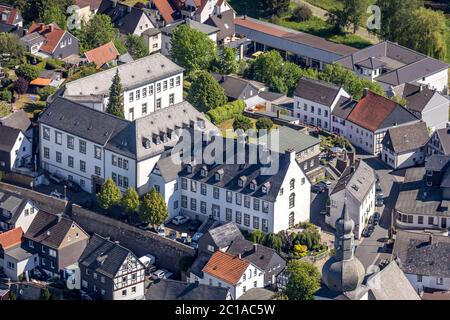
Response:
column 255, row 247
column 291, row 154
column 365, row 92
column 278, row 113
column 128, row 9
column 239, row 256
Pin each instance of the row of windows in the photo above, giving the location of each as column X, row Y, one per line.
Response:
column 136, row 95
column 312, row 121
column 120, row 180
column 70, row 143
column 312, row 109
column 119, row 162
column 215, row 210
column 70, row 161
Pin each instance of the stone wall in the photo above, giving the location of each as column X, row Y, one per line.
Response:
column 167, row 252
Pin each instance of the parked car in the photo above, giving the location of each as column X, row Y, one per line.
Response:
column 326, row 183
column 379, row 202
column 376, row 218
column 57, row 195
column 73, row 186
column 54, row 178
column 196, row 236
column 318, row 188
column 173, row 235
column 161, row 231
column 184, row 238
column 367, row 232
column 370, row 222
column 378, row 190
column 179, row 220
column 162, row 274
column 150, row 270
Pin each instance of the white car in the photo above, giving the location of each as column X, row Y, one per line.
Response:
column 179, row 220
column 57, row 195
column 161, row 274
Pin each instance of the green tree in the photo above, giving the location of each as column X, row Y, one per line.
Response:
column 109, row 194
column 27, row 71
column 136, row 46
column 6, row 95
column 303, row 280
column 52, row 13
column 257, row 236
column 277, row 7
column 21, row 85
column 130, row 201
column 46, row 92
column 351, row 13
column 242, row 122
column 153, row 209
column 264, row 123
column 46, row 295
column 98, row 31
column 395, row 17
column 228, row 63
column 115, row 103
column 426, row 33
column 10, row 44
column 301, row 13
column 83, row 71
column 273, row 241
column 192, row 49
column 205, row 92
column 5, row 109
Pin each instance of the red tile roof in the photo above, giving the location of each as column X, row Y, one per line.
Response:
column 52, row 34
column 102, row 54
column 165, row 9
column 41, row 82
column 226, row 267
column 371, row 111
column 11, row 11
column 11, row 238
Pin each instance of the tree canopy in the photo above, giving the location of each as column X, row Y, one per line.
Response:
column 136, row 46
column 192, row 49
column 115, row 103
column 205, row 92
column 109, row 194
column 98, row 31
column 351, row 13
column 5, row 109
column 153, row 208
column 130, row 201
column 10, row 44
column 264, row 124
column 242, row 122
column 303, row 280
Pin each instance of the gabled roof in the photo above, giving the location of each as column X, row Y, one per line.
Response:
column 52, row 34
column 15, row 29
column 166, row 289
column 103, row 54
column 437, row 162
column 226, row 267
column 12, row 14
column 52, row 230
column 224, row 22
column 406, row 138
column 343, row 107
column 165, row 9
column 374, row 112
column 418, row 97
column 225, row 234
column 12, row 202
column 9, row 138
column 423, row 254
column 259, row 255
column 444, row 139
column 104, row 256
column 290, row 139
column 11, row 238
column 204, row 28
column 316, row 91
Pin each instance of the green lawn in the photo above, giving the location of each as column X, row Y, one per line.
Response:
column 326, row 4
column 448, row 39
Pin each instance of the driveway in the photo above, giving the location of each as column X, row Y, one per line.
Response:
column 373, row 249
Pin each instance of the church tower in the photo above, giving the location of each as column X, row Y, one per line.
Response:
column 343, row 271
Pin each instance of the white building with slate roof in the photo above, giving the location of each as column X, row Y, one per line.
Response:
column 149, row 84
column 88, row 146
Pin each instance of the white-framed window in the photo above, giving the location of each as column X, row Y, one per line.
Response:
column 131, row 96
column 58, row 137
column 98, row 152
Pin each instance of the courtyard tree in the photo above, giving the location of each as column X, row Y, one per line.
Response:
column 153, row 210
column 109, row 194
column 130, row 201
column 115, row 103
column 205, row 92
column 303, row 280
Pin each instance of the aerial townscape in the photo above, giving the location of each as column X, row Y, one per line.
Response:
column 252, row 150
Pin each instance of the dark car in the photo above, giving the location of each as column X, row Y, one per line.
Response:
column 379, row 202
column 367, row 232
column 376, row 218
column 318, row 188
column 72, row 186
column 194, row 225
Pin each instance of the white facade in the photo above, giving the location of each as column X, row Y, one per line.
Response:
column 437, row 81
column 253, row 277
column 314, row 113
column 25, row 218
column 129, row 281
column 153, row 42
column 143, row 24
column 211, row 8
column 411, row 221
column 20, row 152
column 432, row 282
column 402, row 160
column 201, row 200
column 360, row 211
column 14, row 269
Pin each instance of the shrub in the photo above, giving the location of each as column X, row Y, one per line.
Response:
column 45, row 92
column 300, row 250
column 301, row 13
column 28, row 72
column 243, row 123
column 6, row 95
column 52, row 64
column 36, row 113
column 226, row 112
column 264, row 124
column 21, row 85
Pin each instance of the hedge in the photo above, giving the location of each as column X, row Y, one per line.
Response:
column 226, row 112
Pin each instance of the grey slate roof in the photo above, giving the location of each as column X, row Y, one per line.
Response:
column 371, row 63
column 12, row 202
column 133, row 74
column 290, row 139
column 9, row 138
column 343, row 107
column 18, row 120
column 444, row 139
column 357, row 180
column 166, row 289
column 204, row 28
column 402, row 64
column 235, row 87
column 119, row 135
column 418, row 97
column 224, row 22
column 49, row 229
column 391, row 284
column 406, row 138
column 104, row 256
column 418, row 256
column 225, row 234
column 18, row 253
column 124, row 17
column 316, row 91
column 32, row 38
column 437, row 162
column 257, row 254
column 199, row 263
column 415, row 197
column 258, row 294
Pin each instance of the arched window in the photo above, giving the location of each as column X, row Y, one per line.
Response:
column 292, row 200
column 292, row 184
column 291, row 219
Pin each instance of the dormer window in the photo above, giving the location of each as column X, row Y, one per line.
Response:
column 189, row 168
column 265, row 188
column 253, row 185
column 201, row 124
column 218, row 175
column 242, row 181
column 203, row 171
